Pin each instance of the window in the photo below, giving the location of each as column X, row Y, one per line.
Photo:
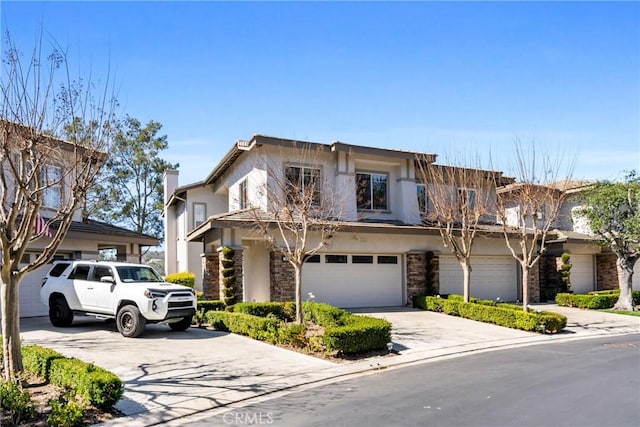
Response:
column 58, row 269
column 81, row 272
column 336, row 259
column 301, row 183
column 51, row 177
column 466, row 199
column 242, row 195
column 362, row 259
column 371, row 191
column 313, row 259
column 100, row 272
column 387, row 259
column 199, row 213
column 422, row 198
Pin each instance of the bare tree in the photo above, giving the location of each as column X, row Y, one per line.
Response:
column 528, row 208
column 41, row 176
column 303, row 210
column 457, row 200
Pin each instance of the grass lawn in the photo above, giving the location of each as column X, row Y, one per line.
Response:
column 628, row 313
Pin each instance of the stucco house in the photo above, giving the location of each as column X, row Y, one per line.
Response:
column 382, row 256
column 85, row 238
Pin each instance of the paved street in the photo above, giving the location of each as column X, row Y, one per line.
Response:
column 169, row 375
column 578, row 383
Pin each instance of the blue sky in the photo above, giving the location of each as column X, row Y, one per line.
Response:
column 450, row 78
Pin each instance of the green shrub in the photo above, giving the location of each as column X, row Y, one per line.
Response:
column 261, row 328
column 98, row 386
column 264, row 309
column 185, row 279
column 358, row 334
column 507, row 315
column 15, row 402
column 66, row 411
column 211, row 305
column 323, row 314
column 293, row 334
column 597, row 301
column 634, row 294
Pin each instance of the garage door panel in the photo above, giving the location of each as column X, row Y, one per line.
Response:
column 491, row 277
column 365, row 283
column 582, row 278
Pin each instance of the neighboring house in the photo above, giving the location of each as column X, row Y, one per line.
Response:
column 382, row 256
column 84, row 240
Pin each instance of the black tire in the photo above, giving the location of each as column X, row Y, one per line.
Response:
column 60, row 314
column 181, row 325
column 130, row 322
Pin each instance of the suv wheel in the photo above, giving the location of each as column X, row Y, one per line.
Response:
column 129, row 321
column 181, row 325
column 60, row 314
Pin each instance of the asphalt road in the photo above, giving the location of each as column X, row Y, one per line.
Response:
column 594, row 382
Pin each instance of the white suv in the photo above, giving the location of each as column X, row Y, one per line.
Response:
column 132, row 294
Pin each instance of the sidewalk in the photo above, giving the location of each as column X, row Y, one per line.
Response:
column 168, row 375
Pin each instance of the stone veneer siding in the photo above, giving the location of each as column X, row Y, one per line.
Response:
column 211, row 276
column 607, row 272
column 416, row 274
column 534, row 283
column 237, row 258
column 283, row 280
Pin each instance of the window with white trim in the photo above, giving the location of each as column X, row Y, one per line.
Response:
column 51, row 181
column 372, row 191
column 302, row 185
column 466, row 199
column 242, row 195
column 199, row 214
column 421, row 194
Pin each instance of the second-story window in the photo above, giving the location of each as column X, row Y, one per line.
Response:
column 372, row 191
column 51, row 177
column 422, row 197
column 302, row 185
column 466, row 199
column 243, row 201
column 199, row 214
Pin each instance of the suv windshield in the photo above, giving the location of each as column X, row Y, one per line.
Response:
column 138, row 273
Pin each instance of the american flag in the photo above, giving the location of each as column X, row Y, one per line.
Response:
column 41, row 226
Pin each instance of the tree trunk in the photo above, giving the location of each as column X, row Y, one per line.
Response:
column 525, row 287
column 625, row 301
column 12, row 356
column 298, row 273
column 466, row 274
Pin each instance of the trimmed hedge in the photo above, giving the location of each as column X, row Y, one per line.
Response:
column 507, row 315
column 282, row 311
column 185, row 279
column 260, row 328
column 98, row 386
column 594, row 300
column 343, row 332
column 358, row 334
column 211, row 305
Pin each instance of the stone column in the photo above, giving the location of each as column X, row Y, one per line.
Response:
column 283, row 281
column 607, row 272
column 416, row 274
column 211, row 276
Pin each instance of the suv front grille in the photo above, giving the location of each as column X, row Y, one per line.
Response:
column 180, row 304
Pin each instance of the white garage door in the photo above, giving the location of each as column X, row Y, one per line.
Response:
column 354, row 280
column 636, row 276
column 30, row 305
column 491, row 277
column 582, row 280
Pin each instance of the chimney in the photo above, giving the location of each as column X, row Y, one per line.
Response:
column 170, row 183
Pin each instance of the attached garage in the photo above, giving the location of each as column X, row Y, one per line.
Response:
column 30, row 305
column 582, row 275
column 491, row 277
column 354, row 280
column 636, row 276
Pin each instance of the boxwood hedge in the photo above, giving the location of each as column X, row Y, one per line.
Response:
column 488, row 311
column 594, row 300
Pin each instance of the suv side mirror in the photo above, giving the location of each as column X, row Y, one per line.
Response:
column 108, row 279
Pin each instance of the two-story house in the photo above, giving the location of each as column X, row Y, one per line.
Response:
column 85, row 238
column 382, row 255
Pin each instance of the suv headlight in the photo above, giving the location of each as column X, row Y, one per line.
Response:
column 154, row 293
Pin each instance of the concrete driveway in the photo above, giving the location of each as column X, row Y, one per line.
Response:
column 176, row 372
